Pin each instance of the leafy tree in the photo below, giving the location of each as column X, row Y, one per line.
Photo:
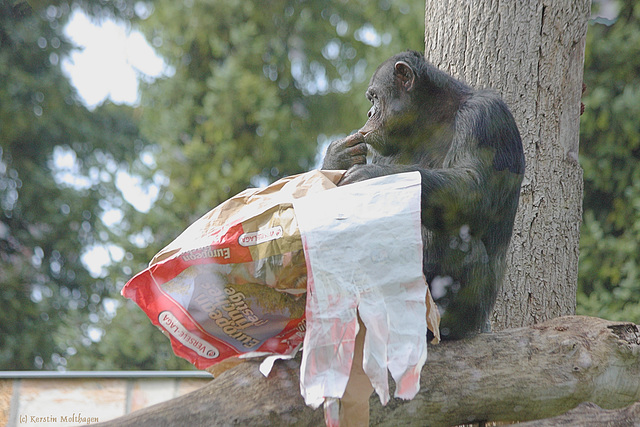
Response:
column 255, row 83
column 609, row 281
column 129, row 343
column 57, row 171
column 256, row 86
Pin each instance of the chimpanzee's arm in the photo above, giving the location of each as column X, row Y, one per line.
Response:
column 479, row 182
column 450, row 197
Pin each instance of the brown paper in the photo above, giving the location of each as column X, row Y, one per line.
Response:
column 354, row 405
column 251, row 203
column 217, row 369
column 433, row 318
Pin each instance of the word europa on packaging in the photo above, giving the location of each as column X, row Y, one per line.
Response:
column 206, row 252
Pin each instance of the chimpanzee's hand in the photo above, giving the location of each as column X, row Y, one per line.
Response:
column 359, row 173
column 346, row 152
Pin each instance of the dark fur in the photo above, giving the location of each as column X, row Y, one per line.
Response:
column 467, row 147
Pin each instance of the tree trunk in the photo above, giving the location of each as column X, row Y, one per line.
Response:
column 532, row 52
column 513, row 375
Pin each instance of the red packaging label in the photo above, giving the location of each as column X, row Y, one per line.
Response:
column 234, row 282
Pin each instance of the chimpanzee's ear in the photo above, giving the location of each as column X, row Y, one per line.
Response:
column 405, row 75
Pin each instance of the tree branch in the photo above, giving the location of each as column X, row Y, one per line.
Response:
column 513, row 375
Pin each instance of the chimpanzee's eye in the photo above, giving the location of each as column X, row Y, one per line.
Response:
column 371, row 96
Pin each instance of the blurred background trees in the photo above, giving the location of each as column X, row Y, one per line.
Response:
column 253, row 89
column 609, row 268
column 50, row 216
column 253, row 92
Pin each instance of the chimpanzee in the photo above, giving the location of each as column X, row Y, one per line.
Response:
column 466, row 145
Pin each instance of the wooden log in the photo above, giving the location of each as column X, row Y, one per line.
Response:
column 513, row 375
column 590, row 414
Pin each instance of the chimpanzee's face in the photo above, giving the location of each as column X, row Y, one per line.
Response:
column 391, row 115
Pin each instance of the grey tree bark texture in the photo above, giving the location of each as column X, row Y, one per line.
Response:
column 532, row 52
column 527, row 373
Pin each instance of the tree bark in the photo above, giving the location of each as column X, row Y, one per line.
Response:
column 532, row 52
column 513, row 375
column 589, row 414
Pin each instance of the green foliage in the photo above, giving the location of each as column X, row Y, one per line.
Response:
column 50, row 215
column 609, row 276
column 255, row 86
column 255, row 83
column 131, row 343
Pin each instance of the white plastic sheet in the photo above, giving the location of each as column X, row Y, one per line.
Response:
column 363, row 250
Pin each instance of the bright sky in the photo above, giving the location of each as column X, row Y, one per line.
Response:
column 109, row 60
